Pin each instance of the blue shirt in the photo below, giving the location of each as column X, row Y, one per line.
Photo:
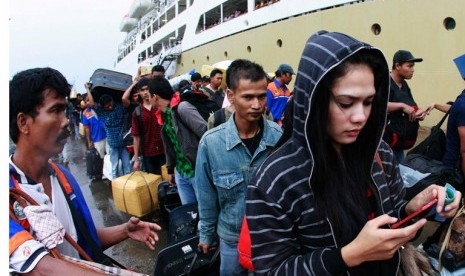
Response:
column 456, row 119
column 223, row 170
column 277, row 95
column 113, row 120
column 96, row 126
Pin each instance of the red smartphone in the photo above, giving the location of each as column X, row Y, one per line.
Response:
column 420, row 213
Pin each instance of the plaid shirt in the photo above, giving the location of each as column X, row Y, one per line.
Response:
column 114, row 124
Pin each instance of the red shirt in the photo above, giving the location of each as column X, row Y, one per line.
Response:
column 150, row 133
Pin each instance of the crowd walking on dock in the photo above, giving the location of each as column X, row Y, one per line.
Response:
column 303, row 182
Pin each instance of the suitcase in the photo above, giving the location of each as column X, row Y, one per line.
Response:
column 136, row 193
column 168, row 199
column 94, row 163
column 183, row 258
column 112, row 83
column 183, row 221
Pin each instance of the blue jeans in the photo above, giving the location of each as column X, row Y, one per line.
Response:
column 230, row 260
column 186, row 188
column 115, row 155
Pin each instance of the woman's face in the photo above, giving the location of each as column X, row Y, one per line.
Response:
column 350, row 105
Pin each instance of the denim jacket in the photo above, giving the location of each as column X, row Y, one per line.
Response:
column 223, row 171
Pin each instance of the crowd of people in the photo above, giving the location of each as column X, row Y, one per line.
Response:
column 304, row 181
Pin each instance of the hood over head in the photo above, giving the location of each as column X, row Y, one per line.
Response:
column 322, row 53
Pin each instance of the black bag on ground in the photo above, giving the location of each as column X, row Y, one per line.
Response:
column 401, row 134
column 435, row 144
column 183, row 221
column 112, row 83
column 168, row 199
column 94, row 163
column 440, row 174
column 183, row 258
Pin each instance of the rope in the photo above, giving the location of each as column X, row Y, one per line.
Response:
column 460, row 212
column 146, row 184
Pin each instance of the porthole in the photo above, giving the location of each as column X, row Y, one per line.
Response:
column 225, row 54
column 249, row 49
column 279, row 42
column 208, row 58
column 376, row 29
column 449, row 23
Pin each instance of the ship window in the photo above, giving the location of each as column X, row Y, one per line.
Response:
column 376, row 29
column 249, row 49
column 221, row 13
column 263, row 3
column 449, row 23
column 279, row 42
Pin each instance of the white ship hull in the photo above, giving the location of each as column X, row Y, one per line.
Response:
column 425, row 27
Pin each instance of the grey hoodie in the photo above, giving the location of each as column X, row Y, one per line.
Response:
column 288, row 237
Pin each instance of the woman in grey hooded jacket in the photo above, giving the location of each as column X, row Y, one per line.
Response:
column 321, row 204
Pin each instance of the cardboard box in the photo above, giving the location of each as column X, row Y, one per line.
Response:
column 136, row 193
column 145, row 70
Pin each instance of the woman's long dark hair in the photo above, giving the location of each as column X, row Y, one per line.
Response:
column 339, row 182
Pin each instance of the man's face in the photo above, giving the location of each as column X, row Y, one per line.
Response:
column 158, row 73
column 405, row 70
column 48, row 130
column 286, row 77
column 196, row 85
column 144, row 92
column 108, row 106
column 216, row 80
column 249, row 100
column 157, row 102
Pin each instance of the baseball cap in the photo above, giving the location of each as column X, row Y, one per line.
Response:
column 286, row 68
column 460, row 63
column 404, row 56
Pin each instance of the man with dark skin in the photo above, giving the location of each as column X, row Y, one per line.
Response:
column 38, row 126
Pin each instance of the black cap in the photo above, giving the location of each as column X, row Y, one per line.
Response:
column 402, row 56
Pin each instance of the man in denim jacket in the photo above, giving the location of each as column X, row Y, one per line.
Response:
column 227, row 157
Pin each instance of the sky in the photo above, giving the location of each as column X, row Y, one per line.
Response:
column 76, row 37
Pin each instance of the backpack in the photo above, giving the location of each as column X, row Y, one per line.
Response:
column 401, row 134
column 200, row 101
column 219, row 117
column 439, row 174
column 434, row 145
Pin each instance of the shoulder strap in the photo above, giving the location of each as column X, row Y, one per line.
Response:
column 219, row 117
column 443, row 118
column 137, row 110
column 78, row 220
column 23, row 199
column 182, row 122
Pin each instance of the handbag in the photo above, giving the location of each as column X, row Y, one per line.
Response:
column 28, row 204
column 452, row 254
column 435, row 144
